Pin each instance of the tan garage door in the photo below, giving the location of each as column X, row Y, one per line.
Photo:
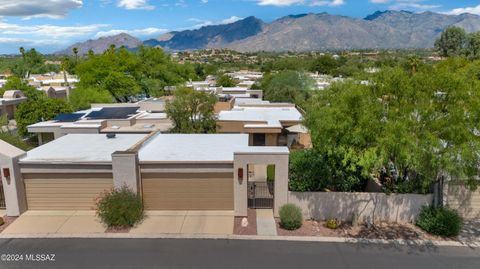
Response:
column 65, row 191
column 464, row 200
column 188, row 191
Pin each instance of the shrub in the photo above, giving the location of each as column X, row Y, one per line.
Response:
column 332, row 224
column 120, row 208
column 316, row 170
column 440, row 221
column 291, row 217
column 2, row 221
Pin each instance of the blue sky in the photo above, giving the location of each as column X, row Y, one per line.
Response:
column 50, row 25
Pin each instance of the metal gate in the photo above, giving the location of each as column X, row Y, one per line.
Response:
column 2, row 197
column 260, row 194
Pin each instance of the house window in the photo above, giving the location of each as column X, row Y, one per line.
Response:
column 259, row 139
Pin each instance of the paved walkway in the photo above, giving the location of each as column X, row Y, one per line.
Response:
column 155, row 222
column 68, row 222
column 470, row 232
column 186, row 222
column 265, row 222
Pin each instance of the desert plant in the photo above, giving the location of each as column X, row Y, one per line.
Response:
column 120, row 208
column 440, row 221
column 332, row 224
column 290, row 217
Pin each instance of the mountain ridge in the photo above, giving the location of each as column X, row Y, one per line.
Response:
column 313, row 31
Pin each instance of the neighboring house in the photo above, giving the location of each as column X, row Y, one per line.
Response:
column 169, row 171
column 9, row 103
column 143, row 117
column 56, row 92
column 52, row 79
column 268, row 124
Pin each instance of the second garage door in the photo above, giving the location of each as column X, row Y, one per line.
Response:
column 65, row 191
column 188, row 191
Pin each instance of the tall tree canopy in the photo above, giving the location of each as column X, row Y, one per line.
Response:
column 287, row 86
column 404, row 126
column 192, row 111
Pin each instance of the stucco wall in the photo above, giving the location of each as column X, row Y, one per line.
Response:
column 368, row 207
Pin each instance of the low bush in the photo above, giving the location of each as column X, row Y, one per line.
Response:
column 2, row 221
column 120, row 208
column 440, row 221
column 332, row 224
column 290, row 217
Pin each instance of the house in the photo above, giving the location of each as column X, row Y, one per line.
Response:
column 169, row 171
column 56, row 92
column 9, row 103
column 267, row 124
column 142, row 117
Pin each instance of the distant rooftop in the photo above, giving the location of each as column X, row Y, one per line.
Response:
column 266, row 114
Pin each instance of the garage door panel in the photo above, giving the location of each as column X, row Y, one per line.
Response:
column 199, row 192
column 62, row 193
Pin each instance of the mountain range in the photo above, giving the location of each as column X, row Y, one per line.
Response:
column 304, row 32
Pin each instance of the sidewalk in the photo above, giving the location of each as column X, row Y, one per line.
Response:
column 265, row 222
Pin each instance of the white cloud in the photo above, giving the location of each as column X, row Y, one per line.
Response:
column 38, row 8
column 201, row 23
column 283, row 3
column 232, row 19
column 135, row 4
column 204, row 1
column 136, row 32
column 51, row 31
column 458, row 11
column 406, row 4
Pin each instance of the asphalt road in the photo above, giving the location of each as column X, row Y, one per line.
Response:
column 180, row 253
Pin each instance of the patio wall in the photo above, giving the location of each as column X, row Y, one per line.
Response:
column 366, row 207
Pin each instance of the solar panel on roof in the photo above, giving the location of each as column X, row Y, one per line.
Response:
column 69, row 117
column 113, row 113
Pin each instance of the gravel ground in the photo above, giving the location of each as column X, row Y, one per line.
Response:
column 251, row 229
column 379, row 231
column 7, row 221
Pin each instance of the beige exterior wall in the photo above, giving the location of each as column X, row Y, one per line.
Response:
column 464, row 200
column 200, row 191
column 14, row 189
column 271, row 140
column 65, row 191
column 243, row 160
column 368, row 207
column 125, row 170
column 224, row 106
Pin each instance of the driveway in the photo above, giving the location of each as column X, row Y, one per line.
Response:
column 155, row 222
column 62, row 222
column 186, row 222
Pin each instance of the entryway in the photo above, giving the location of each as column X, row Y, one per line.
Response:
column 261, row 185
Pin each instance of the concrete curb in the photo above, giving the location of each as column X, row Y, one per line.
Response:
column 244, row 237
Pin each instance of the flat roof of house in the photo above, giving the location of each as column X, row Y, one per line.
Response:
column 266, row 114
column 78, row 148
column 193, row 147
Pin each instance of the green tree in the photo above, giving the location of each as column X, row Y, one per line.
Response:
column 192, row 111
column 82, row 98
column 15, row 83
column 325, row 64
column 287, row 86
column 34, row 111
column 406, row 129
column 451, row 42
column 113, row 71
column 226, row 81
column 473, row 45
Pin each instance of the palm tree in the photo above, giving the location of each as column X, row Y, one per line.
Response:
column 75, row 52
column 22, row 51
column 414, row 62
